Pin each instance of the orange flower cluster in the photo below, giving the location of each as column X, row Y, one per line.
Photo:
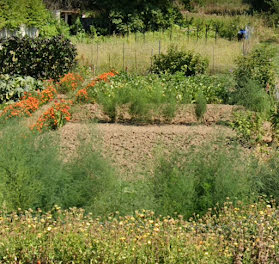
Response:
column 54, row 117
column 103, row 77
column 22, row 108
column 82, row 96
column 29, row 103
column 48, row 94
column 70, row 82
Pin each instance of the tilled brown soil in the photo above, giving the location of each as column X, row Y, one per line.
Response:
column 133, row 149
column 185, row 114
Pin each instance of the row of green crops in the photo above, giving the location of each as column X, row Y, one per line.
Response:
column 165, row 87
column 146, row 94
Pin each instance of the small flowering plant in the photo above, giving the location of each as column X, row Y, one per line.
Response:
column 70, row 82
column 23, row 108
column 102, row 78
column 55, row 117
column 49, row 93
column 82, row 96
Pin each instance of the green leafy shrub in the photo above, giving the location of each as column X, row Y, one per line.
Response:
column 257, row 65
column 136, row 17
column 54, row 27
column 13, row 14
column 249, row 126
column 13, row 88
column 179, row 61
column 39, row 58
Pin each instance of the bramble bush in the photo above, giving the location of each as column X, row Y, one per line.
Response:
column 39, row 58
column 179, row 61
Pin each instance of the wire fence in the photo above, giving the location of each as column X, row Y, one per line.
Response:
column 137, row 54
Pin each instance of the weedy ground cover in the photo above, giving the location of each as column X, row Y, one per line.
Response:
column 244, row 233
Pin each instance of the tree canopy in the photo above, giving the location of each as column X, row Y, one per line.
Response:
column 106, row 5
column 15, row 13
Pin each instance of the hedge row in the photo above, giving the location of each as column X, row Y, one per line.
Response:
column 39, row 58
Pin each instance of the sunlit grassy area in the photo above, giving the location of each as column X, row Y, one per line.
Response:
column 133, row 53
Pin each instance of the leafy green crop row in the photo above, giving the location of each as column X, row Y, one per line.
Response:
column 13, row 88
column 146, row 95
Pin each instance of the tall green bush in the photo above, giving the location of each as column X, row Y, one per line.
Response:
column 179, row 61
column 200, row 107
column 35, row 173
column 39, row 58
column 258, row 65
column 250, row 94
column 13, row 14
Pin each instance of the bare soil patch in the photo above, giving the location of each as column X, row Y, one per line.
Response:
column 133, row 149
column 185, row 114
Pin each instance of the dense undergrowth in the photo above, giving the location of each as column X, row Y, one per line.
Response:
column 185, row 182
column 238, row 234
column 183, row 185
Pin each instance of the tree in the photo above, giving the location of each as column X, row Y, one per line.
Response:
column 14, row 13
column 258, row 5
column 36, row 13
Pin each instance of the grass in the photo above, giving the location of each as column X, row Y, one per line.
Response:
column 133, row 53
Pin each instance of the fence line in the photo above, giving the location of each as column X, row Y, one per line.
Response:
column 127, row 57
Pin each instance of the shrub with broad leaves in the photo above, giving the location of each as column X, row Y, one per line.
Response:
column 179, row 61
column 39, row 58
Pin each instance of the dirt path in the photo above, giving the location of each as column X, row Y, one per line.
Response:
column 133, row 148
